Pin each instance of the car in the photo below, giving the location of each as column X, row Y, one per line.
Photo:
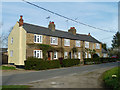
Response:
column 114, row 56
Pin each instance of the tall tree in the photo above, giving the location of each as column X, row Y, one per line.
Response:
column 116, row 44
column 116, row 40
column 4, row 38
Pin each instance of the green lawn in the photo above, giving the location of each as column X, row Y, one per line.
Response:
column 15, row 87
column 111, row 78
column 7, row 68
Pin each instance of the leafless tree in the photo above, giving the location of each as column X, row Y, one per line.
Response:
column 4, row 38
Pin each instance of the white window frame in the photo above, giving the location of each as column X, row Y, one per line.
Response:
column 89, row 55
column 12, row 40
column 105, row 55
column 39, row 53
column 86, row 55
column 37, row 37
column 97, row 46
column 79, row 55
column 98, row 54
column 54, row 42
column 11, row 53
column 77, row 43
column 66, row 42
column 86, row 44
column 75, row 55
column 55, row 55
column 65, row 55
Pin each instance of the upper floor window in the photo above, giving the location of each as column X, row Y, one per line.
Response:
column 38, row 53
column 77, row 43
column 38, row 38
column 55, row 55
column 11, row 53
column 86, row 44
column 97, row 46
column 12, row 40
column 66, row 42
column 54, row 40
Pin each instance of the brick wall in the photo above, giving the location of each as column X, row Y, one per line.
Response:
column 46, row 40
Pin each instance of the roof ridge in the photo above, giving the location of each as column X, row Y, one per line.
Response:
column 55, row 29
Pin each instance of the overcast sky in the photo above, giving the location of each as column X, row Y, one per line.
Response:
column 99, row 14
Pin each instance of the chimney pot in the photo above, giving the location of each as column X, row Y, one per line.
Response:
column 52, row 22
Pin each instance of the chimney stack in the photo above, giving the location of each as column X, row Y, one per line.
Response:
column 21, row 21
column 72, row 30
column 51, row 26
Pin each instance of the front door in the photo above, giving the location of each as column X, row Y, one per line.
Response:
column 49, row 55
column 70, row 55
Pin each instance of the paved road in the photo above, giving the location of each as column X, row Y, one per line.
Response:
column 24, row 78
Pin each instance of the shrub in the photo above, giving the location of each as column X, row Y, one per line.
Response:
column 92, row 61
column 70, row 62
column 33, row 58
column 41, row 64
column 99, row 60
column 95, row 56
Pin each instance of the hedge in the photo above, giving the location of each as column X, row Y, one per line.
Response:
column 41, row 64
column 70, row 62
column 99, row 60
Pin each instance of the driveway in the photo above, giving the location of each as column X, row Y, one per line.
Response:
column 34, row 76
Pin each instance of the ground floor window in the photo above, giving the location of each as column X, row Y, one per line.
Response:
column 89, row 55
column 79, row 55
column 104, row 55
column 98, row 54
column 65, row 55
column 85, row 54
column 38, row 53
column 11, row 53
column 55, row 55
column 75, row 55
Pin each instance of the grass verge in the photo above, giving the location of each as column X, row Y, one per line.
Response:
column 7, row 68
column 16, row 87
column 111, row 78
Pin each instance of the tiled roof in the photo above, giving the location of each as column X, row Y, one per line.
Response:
column 30, row 28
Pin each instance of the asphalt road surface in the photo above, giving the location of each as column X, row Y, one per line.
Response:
column 23, row 78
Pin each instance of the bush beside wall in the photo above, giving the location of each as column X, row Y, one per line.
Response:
column 70, row 62
column 99, row 60
column 41, row 64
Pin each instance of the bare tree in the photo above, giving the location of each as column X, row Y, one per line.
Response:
column 4, row 38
